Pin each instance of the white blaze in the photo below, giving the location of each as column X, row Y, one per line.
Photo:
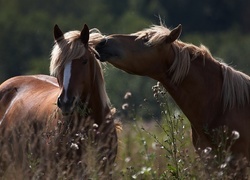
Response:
column 66, row 79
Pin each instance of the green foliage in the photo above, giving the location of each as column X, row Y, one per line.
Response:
column 118, row 83
column 231, row 47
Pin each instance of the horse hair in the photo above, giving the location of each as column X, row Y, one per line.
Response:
column 236, row 85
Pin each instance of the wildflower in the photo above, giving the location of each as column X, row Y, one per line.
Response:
column 127, row 95
column 113, row 111
column 207, row 150
column 228, row 159
column 127, row 159
column 222, row 166
column 134, row 176
column 154, row 145
column 108, row 121
column 74, row 146
column 125, row 106
column 145, row 169
column 154, row 87
column 95, row 125
column 235, row 135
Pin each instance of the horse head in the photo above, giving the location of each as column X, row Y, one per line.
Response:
column 71, row 64
column 135, row 53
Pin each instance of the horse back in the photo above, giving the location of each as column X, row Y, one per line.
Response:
column 30, row 97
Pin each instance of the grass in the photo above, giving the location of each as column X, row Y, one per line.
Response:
column 159, row 149
column 163, row 149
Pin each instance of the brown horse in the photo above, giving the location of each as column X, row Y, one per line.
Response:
column 210, row 93
column 69, row 109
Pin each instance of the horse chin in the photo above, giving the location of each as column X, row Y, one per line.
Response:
column 113, row 59
column 104, row 57
column 66, row 114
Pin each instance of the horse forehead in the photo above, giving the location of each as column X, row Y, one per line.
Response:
column 73, row 72
column 123, row 42
column 67, row 74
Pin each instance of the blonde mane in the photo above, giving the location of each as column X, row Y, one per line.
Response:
column 71, row 47
column 153, row 35
column 67, row 49
column 235, row 88
column 236, row 85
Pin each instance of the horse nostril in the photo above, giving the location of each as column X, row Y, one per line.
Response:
column 59, row 104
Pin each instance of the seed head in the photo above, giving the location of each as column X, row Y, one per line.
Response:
column 235, row 135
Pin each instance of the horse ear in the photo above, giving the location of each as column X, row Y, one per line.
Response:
column 174, row 34
column 57, row 33
column 85, row 34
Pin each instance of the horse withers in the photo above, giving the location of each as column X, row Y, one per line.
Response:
column 59, row 126
column 210, row 93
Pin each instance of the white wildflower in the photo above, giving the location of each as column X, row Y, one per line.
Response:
column 222, row 166
column 127, row 95
column 95, row 125
column 235, row 135
column 127, row 159
column 154, row 145
column 207, row 150
column 134, row 176
column 74, row 146
column 125, row 106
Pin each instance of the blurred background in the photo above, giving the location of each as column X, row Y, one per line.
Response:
column 26, row 37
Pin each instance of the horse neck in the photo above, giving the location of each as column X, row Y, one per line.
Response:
column 199, row 94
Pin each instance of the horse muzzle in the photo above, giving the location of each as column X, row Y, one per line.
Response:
column 67, row 106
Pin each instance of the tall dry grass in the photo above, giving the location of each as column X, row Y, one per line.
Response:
column 28, row 151
column 159, row 149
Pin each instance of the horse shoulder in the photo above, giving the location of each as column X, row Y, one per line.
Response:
column 7, row 95
column 28, row 97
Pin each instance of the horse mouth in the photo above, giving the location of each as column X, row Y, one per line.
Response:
column 103, row 57
column 106, row 56
column 106, row 53
column 67, row 107
column 66, row 114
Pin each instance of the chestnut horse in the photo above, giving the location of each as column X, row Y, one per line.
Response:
column 210, row 93
column 73, row 107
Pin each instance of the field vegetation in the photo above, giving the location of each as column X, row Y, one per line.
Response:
column 156, row 149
